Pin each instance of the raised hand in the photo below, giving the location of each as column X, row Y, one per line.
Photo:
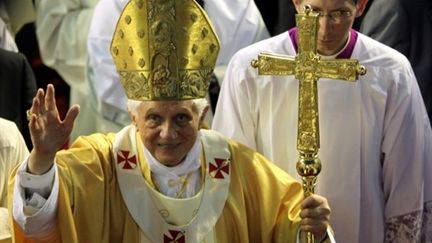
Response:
column 315, row 215
column 48, row 132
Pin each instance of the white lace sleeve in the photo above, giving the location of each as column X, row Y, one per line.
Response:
column 426, row 230
column 411, row 227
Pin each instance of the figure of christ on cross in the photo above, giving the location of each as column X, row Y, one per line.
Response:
column 308, row 68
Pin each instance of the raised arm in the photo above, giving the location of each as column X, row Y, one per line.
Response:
column 48, row 132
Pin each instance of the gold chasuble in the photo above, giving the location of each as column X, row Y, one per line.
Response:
column 93, row 206
column 166, row 50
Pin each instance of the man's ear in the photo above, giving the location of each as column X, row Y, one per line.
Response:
column 202, row 117
column 361, row 6
column 297, row 5
column 133, row 118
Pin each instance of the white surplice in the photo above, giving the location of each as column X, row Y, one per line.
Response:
column 376, row 149
column 62, row 28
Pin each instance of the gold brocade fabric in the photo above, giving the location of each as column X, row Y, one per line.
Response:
column 164, row 50
column 263, row 204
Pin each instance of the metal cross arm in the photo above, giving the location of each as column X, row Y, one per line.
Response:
column 307, row 67
column 282, row 65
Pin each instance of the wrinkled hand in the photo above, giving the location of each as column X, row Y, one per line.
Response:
column 48, row 132
column 315, row 215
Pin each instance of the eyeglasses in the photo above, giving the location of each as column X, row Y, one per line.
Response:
column 336, row 16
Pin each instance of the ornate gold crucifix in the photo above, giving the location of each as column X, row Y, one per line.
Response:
column 308, row 68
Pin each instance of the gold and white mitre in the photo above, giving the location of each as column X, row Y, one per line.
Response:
column 164, row 50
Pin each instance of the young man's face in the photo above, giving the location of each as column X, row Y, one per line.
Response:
column 168, row 129
column 333, row 31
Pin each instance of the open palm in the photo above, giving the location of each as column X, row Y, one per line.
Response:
column 48, row 132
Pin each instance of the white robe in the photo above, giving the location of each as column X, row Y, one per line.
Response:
column 382, row 112
column 62, row 28
column 237, row 23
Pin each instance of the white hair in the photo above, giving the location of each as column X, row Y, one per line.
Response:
column 199, row 104
column 132, row 106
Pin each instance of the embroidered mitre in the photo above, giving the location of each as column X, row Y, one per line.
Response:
column 164, row 50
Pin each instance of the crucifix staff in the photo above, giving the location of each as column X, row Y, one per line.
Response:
column 308, row 68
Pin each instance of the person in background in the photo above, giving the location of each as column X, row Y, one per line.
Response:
column 278, row 16
column 13, row 151
column 375, row 137
column 62, row 28
column 407, row 27
column 17, row 89
column 16, row 14
column 161, row 178
column 246, row 27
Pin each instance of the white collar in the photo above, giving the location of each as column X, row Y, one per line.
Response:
column 170, row 180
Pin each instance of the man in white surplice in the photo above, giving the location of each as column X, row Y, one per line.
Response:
column 62, row 28
column 375, row 135
column 161, row 179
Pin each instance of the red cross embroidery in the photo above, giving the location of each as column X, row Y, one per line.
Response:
column 174, row 236
column 216, row 170
column 128, row 162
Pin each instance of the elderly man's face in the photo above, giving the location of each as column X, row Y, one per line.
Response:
column 168, row 129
